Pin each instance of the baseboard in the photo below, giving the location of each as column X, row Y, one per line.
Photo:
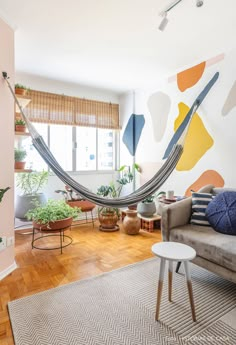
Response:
column 8, row 270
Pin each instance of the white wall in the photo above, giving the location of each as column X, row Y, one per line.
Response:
column 7, row 146
column 220, row 157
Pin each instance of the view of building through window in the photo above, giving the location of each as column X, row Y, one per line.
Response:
column 76, row 148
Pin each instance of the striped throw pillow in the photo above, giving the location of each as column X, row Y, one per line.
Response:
column 200, row 202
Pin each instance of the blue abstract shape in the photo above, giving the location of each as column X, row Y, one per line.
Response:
column 188, row 117
column 133, row 132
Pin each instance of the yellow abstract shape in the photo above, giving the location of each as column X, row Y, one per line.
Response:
column 198, row 141
column 190, row 77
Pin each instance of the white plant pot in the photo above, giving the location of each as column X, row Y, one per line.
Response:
column 24, row 203
column 146, row 209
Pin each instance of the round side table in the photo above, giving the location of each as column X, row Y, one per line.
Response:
column 173, row 251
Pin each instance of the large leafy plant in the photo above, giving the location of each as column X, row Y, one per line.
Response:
column 52, row 211
column 31, row 183
column 113, row 190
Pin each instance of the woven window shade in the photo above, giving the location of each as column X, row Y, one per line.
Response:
column 60, row 109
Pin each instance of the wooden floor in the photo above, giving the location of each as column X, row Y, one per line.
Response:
column 91, row 253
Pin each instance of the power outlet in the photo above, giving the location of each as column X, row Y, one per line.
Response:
column 3, row 243
column 10, row 241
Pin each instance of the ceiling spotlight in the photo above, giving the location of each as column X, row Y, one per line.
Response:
column 164, row 22
column 164, row 13
column 199, row 3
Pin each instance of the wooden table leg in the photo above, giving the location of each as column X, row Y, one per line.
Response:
column 160, row 287
column 170, row 279
column 190, row 289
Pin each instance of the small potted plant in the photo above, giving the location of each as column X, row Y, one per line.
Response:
column 20, row 125
column 55, row 214
column 20, row 89
column 147, row 206
column 20, row 155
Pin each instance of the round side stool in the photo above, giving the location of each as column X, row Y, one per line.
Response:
column 173, row 251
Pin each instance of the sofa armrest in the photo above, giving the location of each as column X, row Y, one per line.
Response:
column 174, row 215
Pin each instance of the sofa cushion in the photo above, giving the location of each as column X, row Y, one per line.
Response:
column 200, row 202
column 221, row 213
column 210, row 245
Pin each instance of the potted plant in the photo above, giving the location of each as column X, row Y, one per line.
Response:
column 108, row 216
column 20, row 155
column 147, row 206
column 20, row 125
column 55, row 214
column 30, row 185
column 74, row 199
column 20, row 89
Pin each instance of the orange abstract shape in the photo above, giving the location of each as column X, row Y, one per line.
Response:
column 197, row 142
column 208, row 177
column 190, row 77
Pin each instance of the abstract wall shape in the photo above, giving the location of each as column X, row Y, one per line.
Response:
column 198, row 141
column 190, row 76
column 188, row 117
column 230, row 102
column 208, row 177
column 159, row 107
column 133, row 132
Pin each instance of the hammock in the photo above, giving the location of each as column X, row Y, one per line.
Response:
column 141, row 193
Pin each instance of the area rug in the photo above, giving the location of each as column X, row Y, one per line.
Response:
column 118, row 308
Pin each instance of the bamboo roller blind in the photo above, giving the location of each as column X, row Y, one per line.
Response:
column 60, row 109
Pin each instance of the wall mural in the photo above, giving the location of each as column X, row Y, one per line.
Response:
column 197, row 142
column 230, row 102
column 179, row 131
column 159, row 107
column 133, row 132
column 190, row 77
column 208, row 177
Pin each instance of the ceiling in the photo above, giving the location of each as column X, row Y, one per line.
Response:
column 116, row 44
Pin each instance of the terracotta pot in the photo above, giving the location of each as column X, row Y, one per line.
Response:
column 19, row 91
column 20, row 128
column 131, row 222
column 108, row 221
column 20, row 165
column 84, row 205
column 54, row 226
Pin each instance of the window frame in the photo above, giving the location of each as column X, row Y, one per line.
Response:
column 116, row 138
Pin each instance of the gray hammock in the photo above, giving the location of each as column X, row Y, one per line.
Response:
column 141, row 193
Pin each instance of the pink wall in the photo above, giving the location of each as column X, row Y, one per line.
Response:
column 6, row 143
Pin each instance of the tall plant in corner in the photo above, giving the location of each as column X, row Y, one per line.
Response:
column 2, row 192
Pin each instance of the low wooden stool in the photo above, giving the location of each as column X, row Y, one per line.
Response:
column 173, row 251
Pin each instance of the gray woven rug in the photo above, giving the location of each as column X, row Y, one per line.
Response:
column 118, row 308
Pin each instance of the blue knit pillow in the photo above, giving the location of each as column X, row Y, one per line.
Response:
column 221, row 213
column 200, row 202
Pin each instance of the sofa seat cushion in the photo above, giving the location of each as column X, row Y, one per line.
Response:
column 210, row 245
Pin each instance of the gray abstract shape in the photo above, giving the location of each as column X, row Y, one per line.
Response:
column 159, row 107
column 230, row 102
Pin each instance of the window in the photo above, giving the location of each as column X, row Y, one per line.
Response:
column 86, row 153
column 61, row 145
column 76, row 148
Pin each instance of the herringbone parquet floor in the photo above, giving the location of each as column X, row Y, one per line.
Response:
column 92, row 252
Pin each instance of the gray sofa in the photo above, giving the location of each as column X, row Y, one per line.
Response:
column 215, row 251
